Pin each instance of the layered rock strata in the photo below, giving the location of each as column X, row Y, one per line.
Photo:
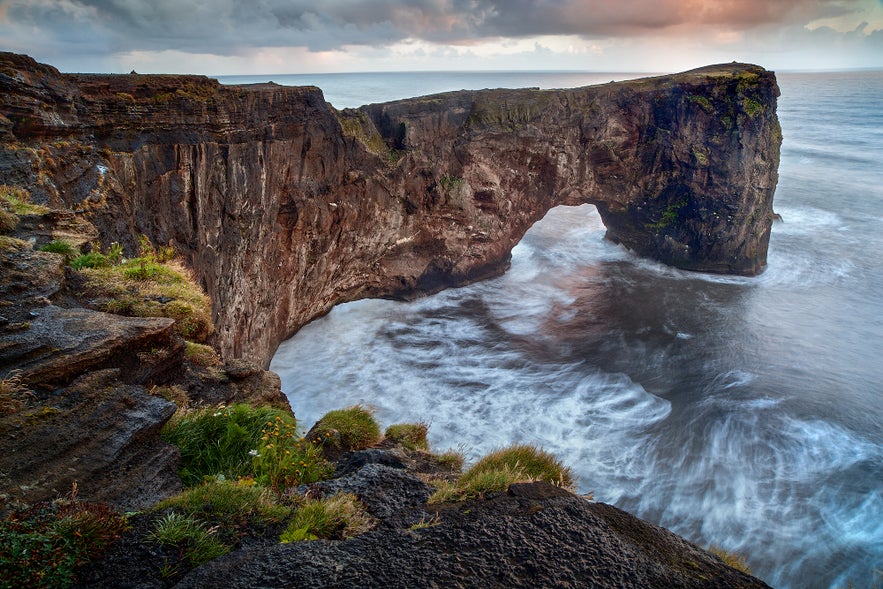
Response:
column 285, row 206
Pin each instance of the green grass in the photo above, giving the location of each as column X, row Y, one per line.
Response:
column 152, row 285
column 497, row 470
column 355, row 425
column 451, row 459
column 18, row 201
column 283, row 459
column 42, row 546
column 244, row 441
column 60, row 246
column 201, row 354
column 197, row 543
column 334, row 518
column 237, row 500
column 217, row 441
column 409, row 435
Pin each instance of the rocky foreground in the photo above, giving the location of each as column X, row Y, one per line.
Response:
column 282, row 207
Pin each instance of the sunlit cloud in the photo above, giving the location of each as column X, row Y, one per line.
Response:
column 229, row 36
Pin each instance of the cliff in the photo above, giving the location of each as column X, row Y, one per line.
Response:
column 284, row 206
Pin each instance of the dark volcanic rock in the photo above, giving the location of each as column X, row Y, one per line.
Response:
column 61, row 344
column 390, row 494
column 285, row 207
column 535, row 538
column 99, row 433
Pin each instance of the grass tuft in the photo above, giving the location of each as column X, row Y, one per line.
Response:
column 409, row 435
column 731, row 559
column 18, row 201
column 152, row 285
column 60, row 246
column 355, row 425
column 334, row 518
column 13, row 393
column 201, row 354
column 232, row 500
column 497, row 470
column 197, row 543
column 451, row 459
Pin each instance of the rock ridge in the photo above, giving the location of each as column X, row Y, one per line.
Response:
column 285, row 206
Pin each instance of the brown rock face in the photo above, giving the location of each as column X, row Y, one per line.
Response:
column 285, row 206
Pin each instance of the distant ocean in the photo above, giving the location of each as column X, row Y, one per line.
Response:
column 741, row 412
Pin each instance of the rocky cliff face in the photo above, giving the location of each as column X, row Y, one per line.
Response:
column 285, row 206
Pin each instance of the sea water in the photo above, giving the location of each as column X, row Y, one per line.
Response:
column 741, row 412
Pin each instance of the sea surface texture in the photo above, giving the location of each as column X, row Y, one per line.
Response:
column 741, row 412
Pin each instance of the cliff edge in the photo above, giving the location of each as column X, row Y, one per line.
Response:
column 284, row 206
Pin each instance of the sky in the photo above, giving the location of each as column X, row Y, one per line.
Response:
column 226, row 37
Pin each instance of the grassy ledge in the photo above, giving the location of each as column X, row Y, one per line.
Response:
column 497, row 470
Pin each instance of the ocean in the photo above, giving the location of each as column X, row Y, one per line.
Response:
column 741, row 412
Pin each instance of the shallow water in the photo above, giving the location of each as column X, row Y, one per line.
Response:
column 744, row 412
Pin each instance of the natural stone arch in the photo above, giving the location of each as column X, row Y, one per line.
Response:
column 284, row 206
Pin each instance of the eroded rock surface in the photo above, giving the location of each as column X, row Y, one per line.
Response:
column 535, row 535
column 99, row 433
column 285, row 206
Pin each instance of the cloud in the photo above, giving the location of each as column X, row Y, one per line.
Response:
column 233, row 28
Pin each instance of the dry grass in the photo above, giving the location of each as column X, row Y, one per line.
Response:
column 731, row 559
column 13, row 393
column 18, row 201
column 201, row 354
column 144, row 287
column 497, row 470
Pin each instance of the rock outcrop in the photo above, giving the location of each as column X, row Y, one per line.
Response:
column 534, row 535
column 284, row 206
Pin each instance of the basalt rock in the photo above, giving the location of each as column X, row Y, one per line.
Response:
column 534, row 535
column 285, row 206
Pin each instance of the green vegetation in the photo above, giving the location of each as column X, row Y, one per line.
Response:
column 496, row 471
column 284, row 460
column 355, row 425
column 18, row 201
column 451, row 459
column 409, row 435
column 217, row 441
column 197, row 543
column 152, row 285
column 448, row 182
column 60, row 246
column 669, row 215
column 240, row 441
column 201, row 354
column 334, row 518
column 751, row 107
column 41, row 546
column 703, row 102
column 95, row 259
column 356, row 124
column 732, row 559
column 700, row 156
column 235, row 501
